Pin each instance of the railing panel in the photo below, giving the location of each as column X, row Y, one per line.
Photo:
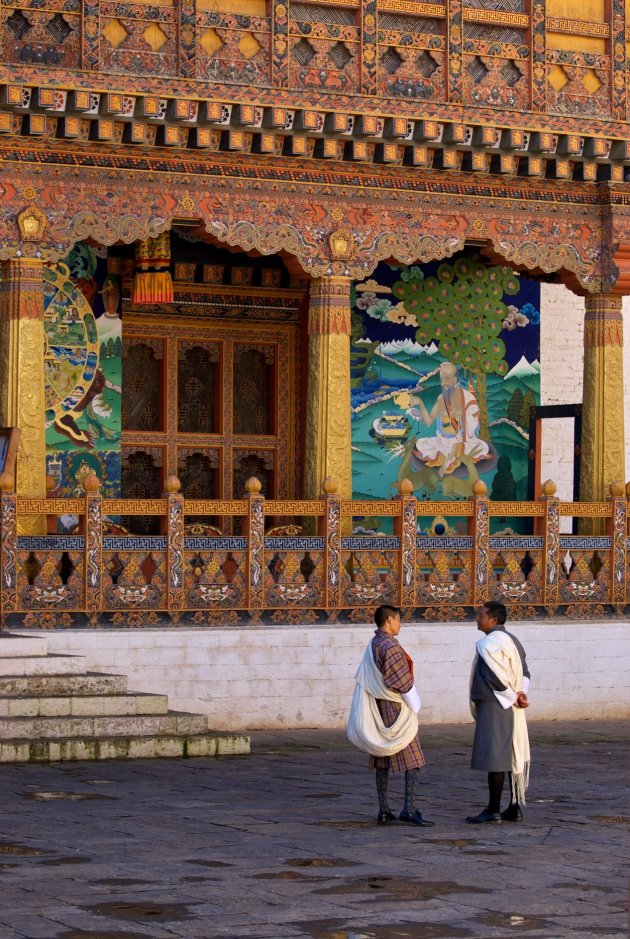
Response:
column 298, row 561
column 294, row 572
column 444, row 573
column 370, row 571
column 585, row 573
column 49, row 573
column 215, row 573
column 135, row 573
column 517, row 573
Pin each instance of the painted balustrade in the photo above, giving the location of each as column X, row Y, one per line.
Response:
column 250, row 568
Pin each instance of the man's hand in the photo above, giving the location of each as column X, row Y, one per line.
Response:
column 522, row 700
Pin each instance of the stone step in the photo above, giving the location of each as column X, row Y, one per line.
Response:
column 51, row 728
column 85, row 705
column 123, row 748
column 42, row 665
column 36, row 686
column 12, row 646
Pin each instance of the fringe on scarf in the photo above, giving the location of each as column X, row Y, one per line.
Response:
column 520, row 782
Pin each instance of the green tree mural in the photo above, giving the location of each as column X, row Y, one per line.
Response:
column 462, row 308
column 503, row 484
column 528, row 402
column 515, row 406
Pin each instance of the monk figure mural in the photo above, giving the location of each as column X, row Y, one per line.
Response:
column 456, row 416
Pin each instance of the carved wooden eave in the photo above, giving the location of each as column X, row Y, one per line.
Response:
column 441, row 125
column 278, row 204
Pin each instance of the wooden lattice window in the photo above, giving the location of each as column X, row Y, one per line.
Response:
column 197, row 472
column 254, row 373
column 258, row 463
column 141, row 477
column 197, row 371
column 141, row 379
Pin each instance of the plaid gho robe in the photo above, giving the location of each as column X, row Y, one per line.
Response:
column 391, row 662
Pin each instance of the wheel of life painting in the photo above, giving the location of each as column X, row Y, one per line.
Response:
column 71, row 354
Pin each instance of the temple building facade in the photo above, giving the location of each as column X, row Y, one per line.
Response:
column 310, row 306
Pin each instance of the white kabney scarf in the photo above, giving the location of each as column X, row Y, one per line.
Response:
column 366, row 729
column 500, row 654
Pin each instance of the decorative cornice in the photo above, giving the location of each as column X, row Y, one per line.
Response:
column 137, row 123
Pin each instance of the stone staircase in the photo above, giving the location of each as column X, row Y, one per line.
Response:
column 52, row 709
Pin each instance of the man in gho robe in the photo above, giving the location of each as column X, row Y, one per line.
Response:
column 456, row 416
column 383, row 719
column 498, row 698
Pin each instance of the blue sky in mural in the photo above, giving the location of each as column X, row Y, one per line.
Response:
column 520, row 342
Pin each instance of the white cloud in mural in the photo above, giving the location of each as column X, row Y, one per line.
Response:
column 373, row 286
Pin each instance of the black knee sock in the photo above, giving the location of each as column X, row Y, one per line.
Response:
column 382, row 775
column 495, row 788
column 410, row 790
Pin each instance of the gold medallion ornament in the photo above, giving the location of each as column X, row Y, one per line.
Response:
column 32, row 224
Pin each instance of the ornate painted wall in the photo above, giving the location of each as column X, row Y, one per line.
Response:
column 445, row 366
column 83, row 333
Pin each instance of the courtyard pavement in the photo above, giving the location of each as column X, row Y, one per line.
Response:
column 282, row 844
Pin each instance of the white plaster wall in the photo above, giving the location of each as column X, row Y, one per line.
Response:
column 561, row 359
column 299, row 677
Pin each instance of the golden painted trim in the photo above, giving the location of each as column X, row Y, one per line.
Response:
column 208, row 290
column 294, row 507
column 557, row 24
column 585, row 509
column 603, row 332
column 135, row 506
column 332, row 3
column 329, row 308
column 495, row 17
column 408, row 6
column 50, row 506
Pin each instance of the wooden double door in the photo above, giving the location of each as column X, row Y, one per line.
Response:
column 210, row 403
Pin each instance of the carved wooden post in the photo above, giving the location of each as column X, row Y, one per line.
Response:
column 619, row 529
column 8, row 547
column 93, row 529
column 455, row 58
column 539, row 55
column 187, row 38
column 405, row 527
column 331, row 529
column 603, row 451
column 254, row 524
column 280, row 44
column 618, row 58
column 175, row 547
column 481, row 543
column 328, row 433
column 551, row 533
column 22, row 400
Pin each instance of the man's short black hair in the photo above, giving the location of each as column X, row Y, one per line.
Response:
column 382, row 614
column 497, row 611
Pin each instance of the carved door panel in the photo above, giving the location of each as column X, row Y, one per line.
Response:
column 219, row 400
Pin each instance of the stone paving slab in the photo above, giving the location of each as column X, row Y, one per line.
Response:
column 283, row 845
